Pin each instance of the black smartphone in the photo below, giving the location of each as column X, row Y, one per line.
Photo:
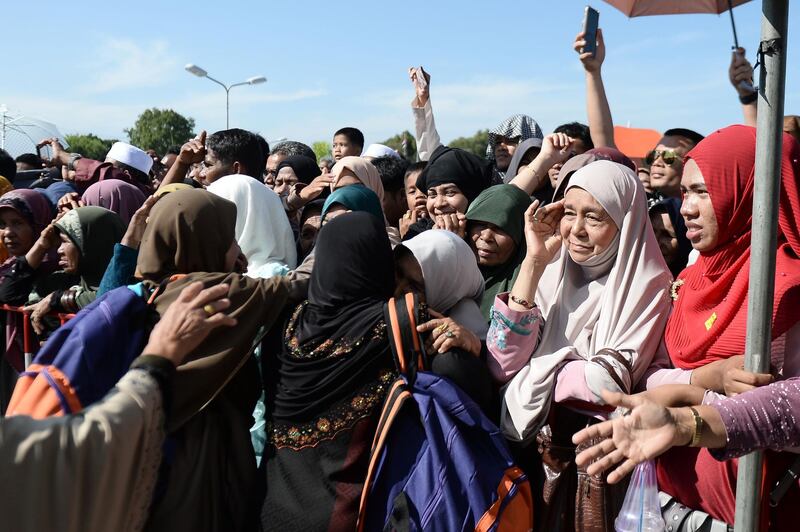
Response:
column 591, row 18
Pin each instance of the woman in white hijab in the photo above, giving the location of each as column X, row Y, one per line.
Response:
column 584, row 316
column 453, row 284
column 262, row 228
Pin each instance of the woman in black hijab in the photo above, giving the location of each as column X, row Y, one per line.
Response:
column 670, row 229
column 328, row 381
column 452, row 179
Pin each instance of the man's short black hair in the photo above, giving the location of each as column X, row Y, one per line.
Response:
column 693, row 136
column 31, row 159
column 392, row 171
column 355, row 136
column 576, row 130
column 8, row 166
column 238, row 145
column 174, row 150
column 292, row 147
column 413, row 168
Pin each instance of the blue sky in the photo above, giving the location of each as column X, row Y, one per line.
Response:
column 335, row 64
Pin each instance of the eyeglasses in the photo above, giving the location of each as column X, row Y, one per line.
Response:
column 668, row 156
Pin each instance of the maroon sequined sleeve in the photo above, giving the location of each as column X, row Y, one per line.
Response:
column 764, row 418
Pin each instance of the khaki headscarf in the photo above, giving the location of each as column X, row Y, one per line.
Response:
column 188, row 231
column 365, row 172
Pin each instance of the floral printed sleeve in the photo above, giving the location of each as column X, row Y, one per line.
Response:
column 512, row 338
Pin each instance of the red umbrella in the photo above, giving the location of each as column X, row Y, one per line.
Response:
column 643, row 8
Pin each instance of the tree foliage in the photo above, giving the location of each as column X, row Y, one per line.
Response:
column 160, row 129
column 475, row 144
column 396, row 143
column 90, row 145
column 322, row 149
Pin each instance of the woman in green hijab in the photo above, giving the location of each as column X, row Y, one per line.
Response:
column 87, row 238
column 496, row 233
column 352, row 198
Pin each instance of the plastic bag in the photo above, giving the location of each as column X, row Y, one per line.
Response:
column 641, row 510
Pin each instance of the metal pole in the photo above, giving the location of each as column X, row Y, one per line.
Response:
column 772, row 51
column 733, row 25
column 227, row 107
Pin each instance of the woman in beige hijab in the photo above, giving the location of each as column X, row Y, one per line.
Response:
column 589, row 307
column 96, row 471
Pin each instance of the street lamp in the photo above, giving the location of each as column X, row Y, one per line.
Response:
column 200, row 73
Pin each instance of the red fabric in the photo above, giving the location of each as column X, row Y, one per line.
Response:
column 700, row 482
column 718, row 282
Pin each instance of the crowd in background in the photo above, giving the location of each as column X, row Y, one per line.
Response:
column 561, row 275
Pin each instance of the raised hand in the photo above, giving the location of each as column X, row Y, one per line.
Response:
column 542, row 234
column 422, row 82
column 455, row 223
column 188, row 321
column 740, row 73
column 592, row 62
column 193, row 151
column 448, row 334
column 135, row 232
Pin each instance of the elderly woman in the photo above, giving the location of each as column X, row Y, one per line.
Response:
column 589, row 305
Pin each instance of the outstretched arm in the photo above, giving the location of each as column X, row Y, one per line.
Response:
column 601, row 125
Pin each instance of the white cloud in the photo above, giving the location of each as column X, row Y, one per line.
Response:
column 125, row 64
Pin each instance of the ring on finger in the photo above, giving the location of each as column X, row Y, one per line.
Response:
column 209, row 310
column 449, row 334
column 443, row 328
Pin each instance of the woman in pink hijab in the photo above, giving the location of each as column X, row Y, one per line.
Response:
column 115, row 195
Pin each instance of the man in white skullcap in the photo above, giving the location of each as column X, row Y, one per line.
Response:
column 123, row 161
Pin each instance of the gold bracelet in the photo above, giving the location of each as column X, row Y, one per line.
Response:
column 522, row 302
column 698, row 427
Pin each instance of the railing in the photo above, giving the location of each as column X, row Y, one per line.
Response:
column 29, row 341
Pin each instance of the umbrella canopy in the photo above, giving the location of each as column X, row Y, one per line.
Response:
column 635, row 142
column 643, row 8
column 19, row 134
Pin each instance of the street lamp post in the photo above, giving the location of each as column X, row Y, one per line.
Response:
column 200, row 73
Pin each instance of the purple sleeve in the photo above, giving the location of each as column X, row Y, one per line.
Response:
column 763, row 418
column 512, row 338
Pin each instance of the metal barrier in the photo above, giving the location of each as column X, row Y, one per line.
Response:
column 29, row 342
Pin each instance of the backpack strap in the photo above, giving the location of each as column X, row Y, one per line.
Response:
column 408, row 348
column 395, row 399
column 162, row 285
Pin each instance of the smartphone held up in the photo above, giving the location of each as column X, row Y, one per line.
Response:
column 591, row 19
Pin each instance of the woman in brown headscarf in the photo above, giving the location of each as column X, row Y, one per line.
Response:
column 212, row 472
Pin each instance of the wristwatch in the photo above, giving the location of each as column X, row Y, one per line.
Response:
column 72, row 158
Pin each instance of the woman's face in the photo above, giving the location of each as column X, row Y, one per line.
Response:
column 284, row 181
column 308, row 234
column 337, row 209
column 492, row 246
column 408, row 275
column 69, row 256
column 697, row 210
column 446, row 199
column 347, row 177
column 665, row 235
column 18, row 235
column 586, row 228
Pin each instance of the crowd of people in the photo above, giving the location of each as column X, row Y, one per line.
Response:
column 566, row 282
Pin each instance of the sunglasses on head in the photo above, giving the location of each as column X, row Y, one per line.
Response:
column 668, row 156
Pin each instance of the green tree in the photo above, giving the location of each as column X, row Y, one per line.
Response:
column 321, row 149
column 90, row 146
column 160, row 129
column 475, row 144
column 396, row 143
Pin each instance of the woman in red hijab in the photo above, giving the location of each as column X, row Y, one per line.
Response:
column 706, row 331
